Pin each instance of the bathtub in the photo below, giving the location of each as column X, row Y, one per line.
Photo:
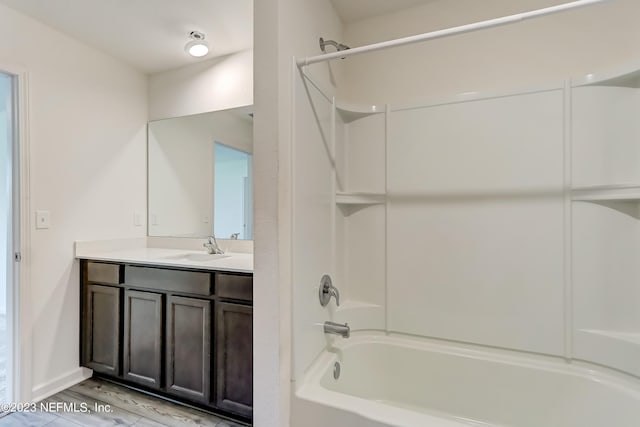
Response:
column 400, row 381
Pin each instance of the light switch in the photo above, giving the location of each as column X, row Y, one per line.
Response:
column 154, row 219
column 137, row 219
column 205, row 219
column 43, row 219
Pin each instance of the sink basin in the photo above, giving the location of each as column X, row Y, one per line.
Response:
column 196, row 257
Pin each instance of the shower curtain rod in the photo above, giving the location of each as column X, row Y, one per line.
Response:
column 447, row 32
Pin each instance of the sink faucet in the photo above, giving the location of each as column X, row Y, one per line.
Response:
column 212, row 245
column 337, row 329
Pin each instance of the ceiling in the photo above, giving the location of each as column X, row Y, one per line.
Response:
column 355, row 10
column 148, row 34
column 151, row 34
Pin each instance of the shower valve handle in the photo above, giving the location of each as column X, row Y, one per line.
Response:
column 327, row 290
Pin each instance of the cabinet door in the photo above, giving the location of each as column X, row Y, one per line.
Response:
column 234, row 358
column 101, row 329
column 143, row 338
column 189, row 348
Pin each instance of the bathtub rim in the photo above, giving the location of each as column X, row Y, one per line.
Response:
column 310, row 387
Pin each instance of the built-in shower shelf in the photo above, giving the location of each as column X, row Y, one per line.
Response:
column 606, row 192
column 351, row 112
column 360, row 198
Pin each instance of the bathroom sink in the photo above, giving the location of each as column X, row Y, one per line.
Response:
column 195, row 257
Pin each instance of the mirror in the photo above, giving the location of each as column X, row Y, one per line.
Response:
column 200, row 175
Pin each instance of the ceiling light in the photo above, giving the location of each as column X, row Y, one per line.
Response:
column 196, row 46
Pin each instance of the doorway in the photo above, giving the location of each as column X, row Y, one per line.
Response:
column 8, row 228
column 233, row 193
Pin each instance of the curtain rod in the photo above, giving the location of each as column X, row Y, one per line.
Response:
column 446, row 32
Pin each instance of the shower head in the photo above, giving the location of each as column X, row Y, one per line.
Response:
column 338, row 46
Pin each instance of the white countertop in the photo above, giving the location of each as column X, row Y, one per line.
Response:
column 236, row 262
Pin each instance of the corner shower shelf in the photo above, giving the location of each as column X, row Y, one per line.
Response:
column 351, row 112
column 360, row 198
column 606, row 192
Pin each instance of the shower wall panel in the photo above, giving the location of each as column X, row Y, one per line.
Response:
column 605, row 224
column 475, row 222
column 313, row 219
column 606, row 131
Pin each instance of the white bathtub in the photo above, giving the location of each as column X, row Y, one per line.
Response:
column 403, row 382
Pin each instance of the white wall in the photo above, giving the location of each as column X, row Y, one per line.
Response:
column 87, row 131
column 510, row 57
column 180, row 179
column 283, row 28
column 181, row 159
column 217, row 84
column 313, row 188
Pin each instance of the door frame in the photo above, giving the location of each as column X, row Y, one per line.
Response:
column 20, row 320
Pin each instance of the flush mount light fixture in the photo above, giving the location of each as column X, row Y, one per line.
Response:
column 196, row 46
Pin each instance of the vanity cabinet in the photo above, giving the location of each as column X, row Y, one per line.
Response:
column 189, row 348
column 143, row 338
column 101, row 329
column 181, row 333
column 234, row 347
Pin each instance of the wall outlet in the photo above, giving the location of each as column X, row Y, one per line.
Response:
column 43, row 220
column 154, row 219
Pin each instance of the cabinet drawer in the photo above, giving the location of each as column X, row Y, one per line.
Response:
column 191, row 282
column 101, row 272
column 234, row 286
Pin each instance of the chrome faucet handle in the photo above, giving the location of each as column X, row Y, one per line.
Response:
column 327, row 290
column 235, row 236
column 334, row 292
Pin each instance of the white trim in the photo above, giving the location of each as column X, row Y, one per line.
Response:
column 22, row 327
column 24, row 337
column 462, row 29
column 62, row 382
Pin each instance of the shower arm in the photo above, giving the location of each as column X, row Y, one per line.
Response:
column 447, row 32
column 339, row 46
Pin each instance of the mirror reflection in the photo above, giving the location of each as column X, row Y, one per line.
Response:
column 200, row 175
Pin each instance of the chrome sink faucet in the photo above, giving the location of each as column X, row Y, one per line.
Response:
column 212, row 245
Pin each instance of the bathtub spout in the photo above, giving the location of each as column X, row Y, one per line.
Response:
column 337, row 329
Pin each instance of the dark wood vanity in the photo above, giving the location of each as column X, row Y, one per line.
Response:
column 180, row 333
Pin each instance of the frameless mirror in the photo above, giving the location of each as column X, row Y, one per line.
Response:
column 200, row 175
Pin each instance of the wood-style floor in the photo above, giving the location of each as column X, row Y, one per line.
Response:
column 128, row 408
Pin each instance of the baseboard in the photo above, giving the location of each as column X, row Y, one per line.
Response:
column 60, row 383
